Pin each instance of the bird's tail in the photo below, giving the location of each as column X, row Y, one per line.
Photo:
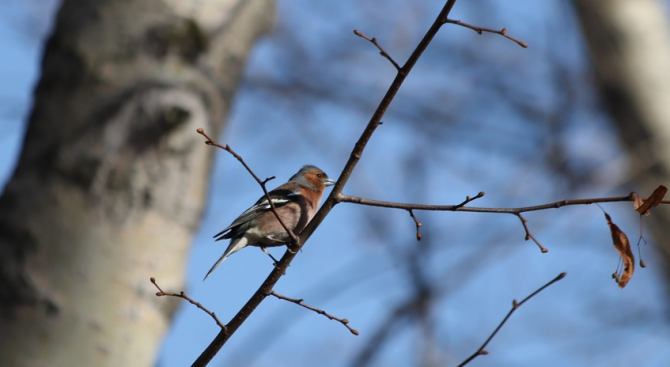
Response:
column 235, row 245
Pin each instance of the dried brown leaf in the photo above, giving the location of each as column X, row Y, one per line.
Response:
column 652, row 201
column 622, row 245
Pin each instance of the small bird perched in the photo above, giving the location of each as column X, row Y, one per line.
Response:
column 296, row 202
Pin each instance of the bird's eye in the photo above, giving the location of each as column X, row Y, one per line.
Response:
column 319, row 175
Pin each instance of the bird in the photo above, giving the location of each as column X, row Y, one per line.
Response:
column 296, row 202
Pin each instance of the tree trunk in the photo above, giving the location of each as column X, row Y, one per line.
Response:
column 111, row 181
column 629, row 44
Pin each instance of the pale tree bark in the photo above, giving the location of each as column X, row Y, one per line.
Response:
column 111, row 181
column 629, row 45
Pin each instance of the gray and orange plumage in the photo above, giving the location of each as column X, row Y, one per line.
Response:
column 296, row 203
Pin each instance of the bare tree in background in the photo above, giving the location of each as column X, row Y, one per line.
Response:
column 110, row 184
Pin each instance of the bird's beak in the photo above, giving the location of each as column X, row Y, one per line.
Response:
column 329, row 182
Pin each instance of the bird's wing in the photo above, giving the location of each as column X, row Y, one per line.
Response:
column 279, row 197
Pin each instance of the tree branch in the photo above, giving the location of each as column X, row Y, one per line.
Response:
column 515, row 306
column 382, row 52
column 183, row 295
column 480, row 30
column 227, row 148
column 300, row 302
column 462, row 208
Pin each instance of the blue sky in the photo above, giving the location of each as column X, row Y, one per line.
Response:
column 477, row 142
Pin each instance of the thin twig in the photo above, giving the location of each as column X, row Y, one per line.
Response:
column 468, row 199
column 300, row 302
column 212, row 142
column 480, row 30
column 515, row 306
column 183, row 295
column 529, row 236
column 417, row 223
column 382, row 52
